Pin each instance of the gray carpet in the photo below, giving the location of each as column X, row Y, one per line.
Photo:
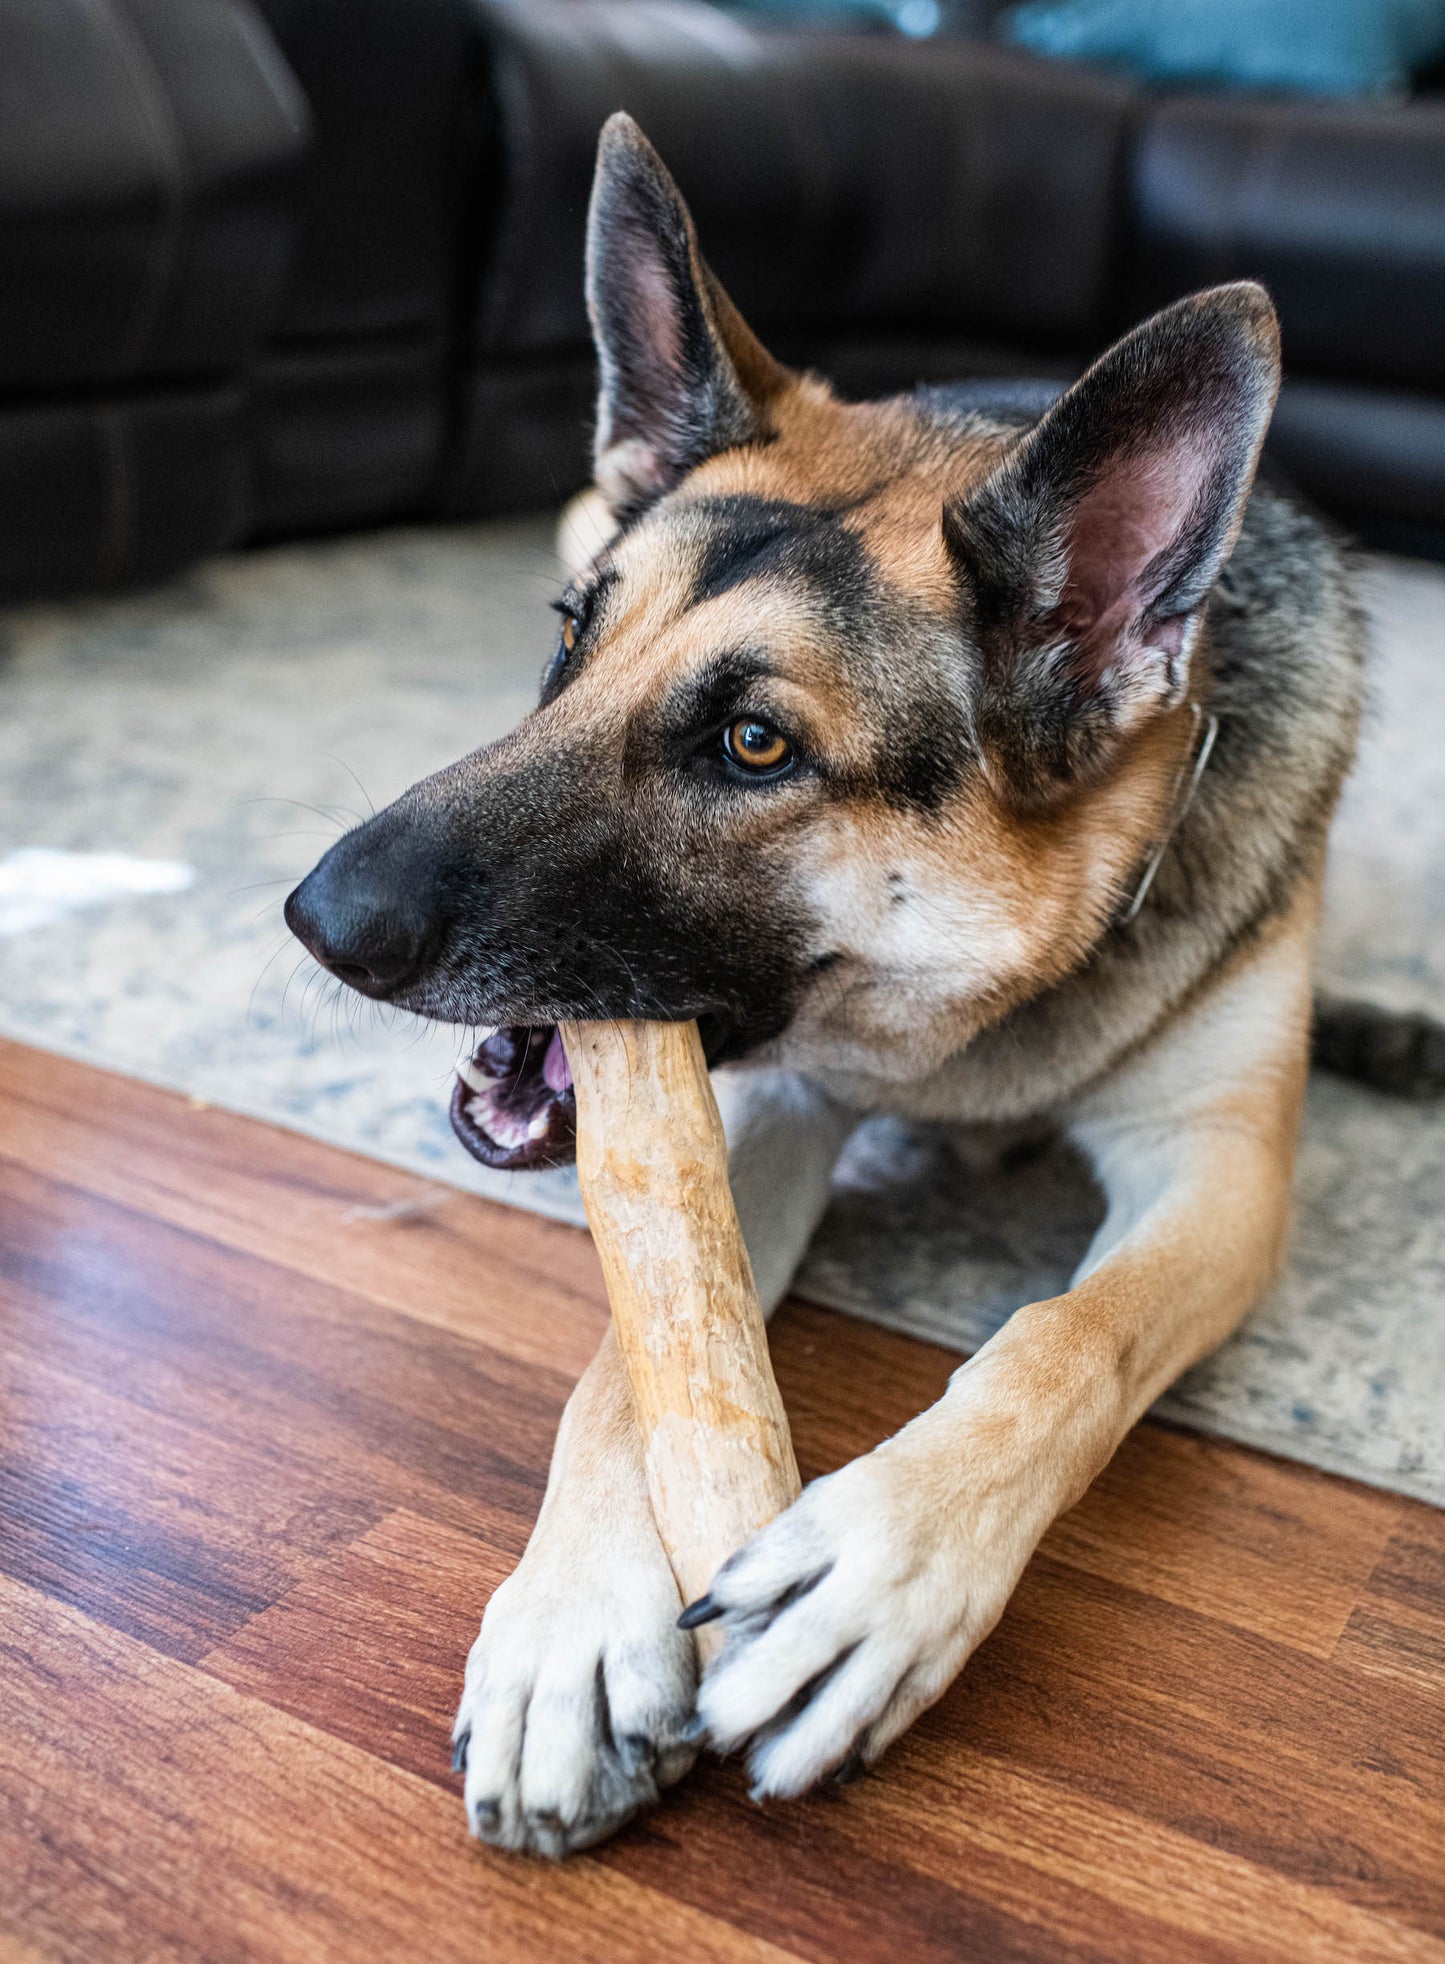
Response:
column 170, row 763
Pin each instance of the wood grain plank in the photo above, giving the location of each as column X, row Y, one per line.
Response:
column 1210, row 1902
column 245, row 1348
column 324, row 1214
column 163, row 1529
column 369, row 1648
column 370, row 1645
column 1397, row 1630
column 238, row 1434
column 152, row 1812
column 1320, row 1775
column 1245, row 1539
column 960, row 1843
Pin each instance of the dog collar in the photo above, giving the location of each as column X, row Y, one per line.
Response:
column 1206, row 729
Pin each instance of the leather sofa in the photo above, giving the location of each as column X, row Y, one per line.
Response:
column 148, row 157
column 269, row 267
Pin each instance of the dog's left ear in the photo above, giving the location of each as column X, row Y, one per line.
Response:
column 1086, row 557
column 681, row 375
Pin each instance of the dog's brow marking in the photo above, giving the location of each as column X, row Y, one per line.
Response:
column 747, row 539
column 747, row 536
column 718, row 689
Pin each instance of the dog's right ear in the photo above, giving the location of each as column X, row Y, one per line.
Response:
column 682, row 376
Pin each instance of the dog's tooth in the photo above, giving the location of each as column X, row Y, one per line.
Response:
column 539, row 1125
column 472, row 1078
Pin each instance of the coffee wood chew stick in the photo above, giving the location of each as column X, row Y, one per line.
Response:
column 652, row 1162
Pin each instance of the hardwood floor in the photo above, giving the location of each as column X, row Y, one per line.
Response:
column 275, row 1421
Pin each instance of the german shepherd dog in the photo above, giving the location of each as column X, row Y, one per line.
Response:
column 944, row 761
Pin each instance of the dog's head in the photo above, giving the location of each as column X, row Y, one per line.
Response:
column 860, row 721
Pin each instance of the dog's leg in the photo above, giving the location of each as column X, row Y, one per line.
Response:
column 580, row 1686
column 849, row 1614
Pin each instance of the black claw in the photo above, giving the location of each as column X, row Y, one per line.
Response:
column 694, row 1732
column 704, row 1610
column 853, row 1768
column 459, row 1750
column 602, row 1707
column 636, row 1751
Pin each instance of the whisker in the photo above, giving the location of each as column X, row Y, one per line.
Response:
column 261, row 976
column 302, row 806
column 371, row 808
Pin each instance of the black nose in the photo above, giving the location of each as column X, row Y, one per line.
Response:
column 370, row 910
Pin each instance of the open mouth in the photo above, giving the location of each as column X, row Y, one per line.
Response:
column 513, row 1106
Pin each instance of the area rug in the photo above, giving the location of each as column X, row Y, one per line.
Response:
column 171, row 763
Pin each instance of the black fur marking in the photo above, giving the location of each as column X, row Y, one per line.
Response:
column 923, row 756
column 688, row 731
column 922, row 759
column 573, row 889
column 730, row 685
column 749, row 538
column 602, row 1707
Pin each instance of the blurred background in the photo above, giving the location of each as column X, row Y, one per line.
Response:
column 274, row 268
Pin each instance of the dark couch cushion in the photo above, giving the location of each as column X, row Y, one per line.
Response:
column 835, row 180
column 114, row 493
column 351, row 401
column 344, row 435
column 876, row 208
column 147, row 154
column 526, row 420
column 1340, row 210
column 401, row 140
column 1373, row 457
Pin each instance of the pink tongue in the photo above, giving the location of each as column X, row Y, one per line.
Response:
column 554, row 1065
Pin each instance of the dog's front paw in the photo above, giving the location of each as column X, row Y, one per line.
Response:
column 579, row 1691
column 846, row 1617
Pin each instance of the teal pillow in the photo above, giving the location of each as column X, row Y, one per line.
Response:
column 1312, row 47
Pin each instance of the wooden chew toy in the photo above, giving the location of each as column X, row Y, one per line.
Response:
column 652, row 1162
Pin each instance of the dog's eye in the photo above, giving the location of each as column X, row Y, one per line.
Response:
column 574, row 623
column 756, row 746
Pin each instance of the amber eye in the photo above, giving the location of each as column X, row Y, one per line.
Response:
column 571, row 628
column 756, row 746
